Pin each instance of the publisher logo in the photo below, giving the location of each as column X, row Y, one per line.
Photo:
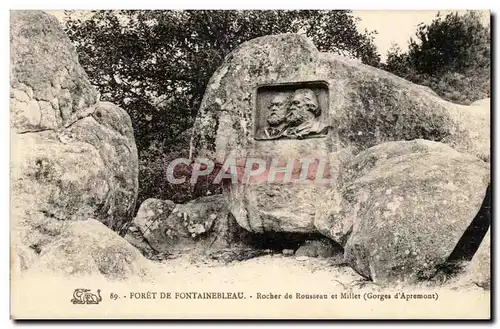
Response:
column 84, row 296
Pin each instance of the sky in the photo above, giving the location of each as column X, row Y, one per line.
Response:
column 393, row 26
column 397, row 26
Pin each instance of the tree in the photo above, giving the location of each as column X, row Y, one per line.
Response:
column 451, row 55
column 156, row 64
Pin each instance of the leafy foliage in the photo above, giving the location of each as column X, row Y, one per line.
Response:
column 451, row 55
column 156, row 64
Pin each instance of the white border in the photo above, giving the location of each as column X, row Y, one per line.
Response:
column 190, row 4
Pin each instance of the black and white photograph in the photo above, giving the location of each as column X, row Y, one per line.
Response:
column 185, row 164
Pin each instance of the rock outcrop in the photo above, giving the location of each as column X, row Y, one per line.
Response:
column 406, row 207
column 50, row 89
column 72, row 156
column 406, row 171
column 363, row 107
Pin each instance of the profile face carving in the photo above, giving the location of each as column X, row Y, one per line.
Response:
column 291, row 110
column 304, row 107
column 277, row 110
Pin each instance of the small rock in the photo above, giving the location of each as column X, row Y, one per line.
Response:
column 288, row 252
column 323, row 248
column 307, row 250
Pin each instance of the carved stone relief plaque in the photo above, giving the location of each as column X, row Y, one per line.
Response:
column 291, row 111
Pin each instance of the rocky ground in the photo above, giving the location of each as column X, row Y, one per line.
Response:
column 276, row 271
column 270, row 271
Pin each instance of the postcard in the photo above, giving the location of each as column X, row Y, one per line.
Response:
column 250, row 164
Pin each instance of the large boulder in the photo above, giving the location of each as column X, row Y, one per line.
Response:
column 361, row 107
column 88, row 248
column 202, row 224
column 407, row 205
column 72, row 157
column 49, row 88
column 478, row 270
